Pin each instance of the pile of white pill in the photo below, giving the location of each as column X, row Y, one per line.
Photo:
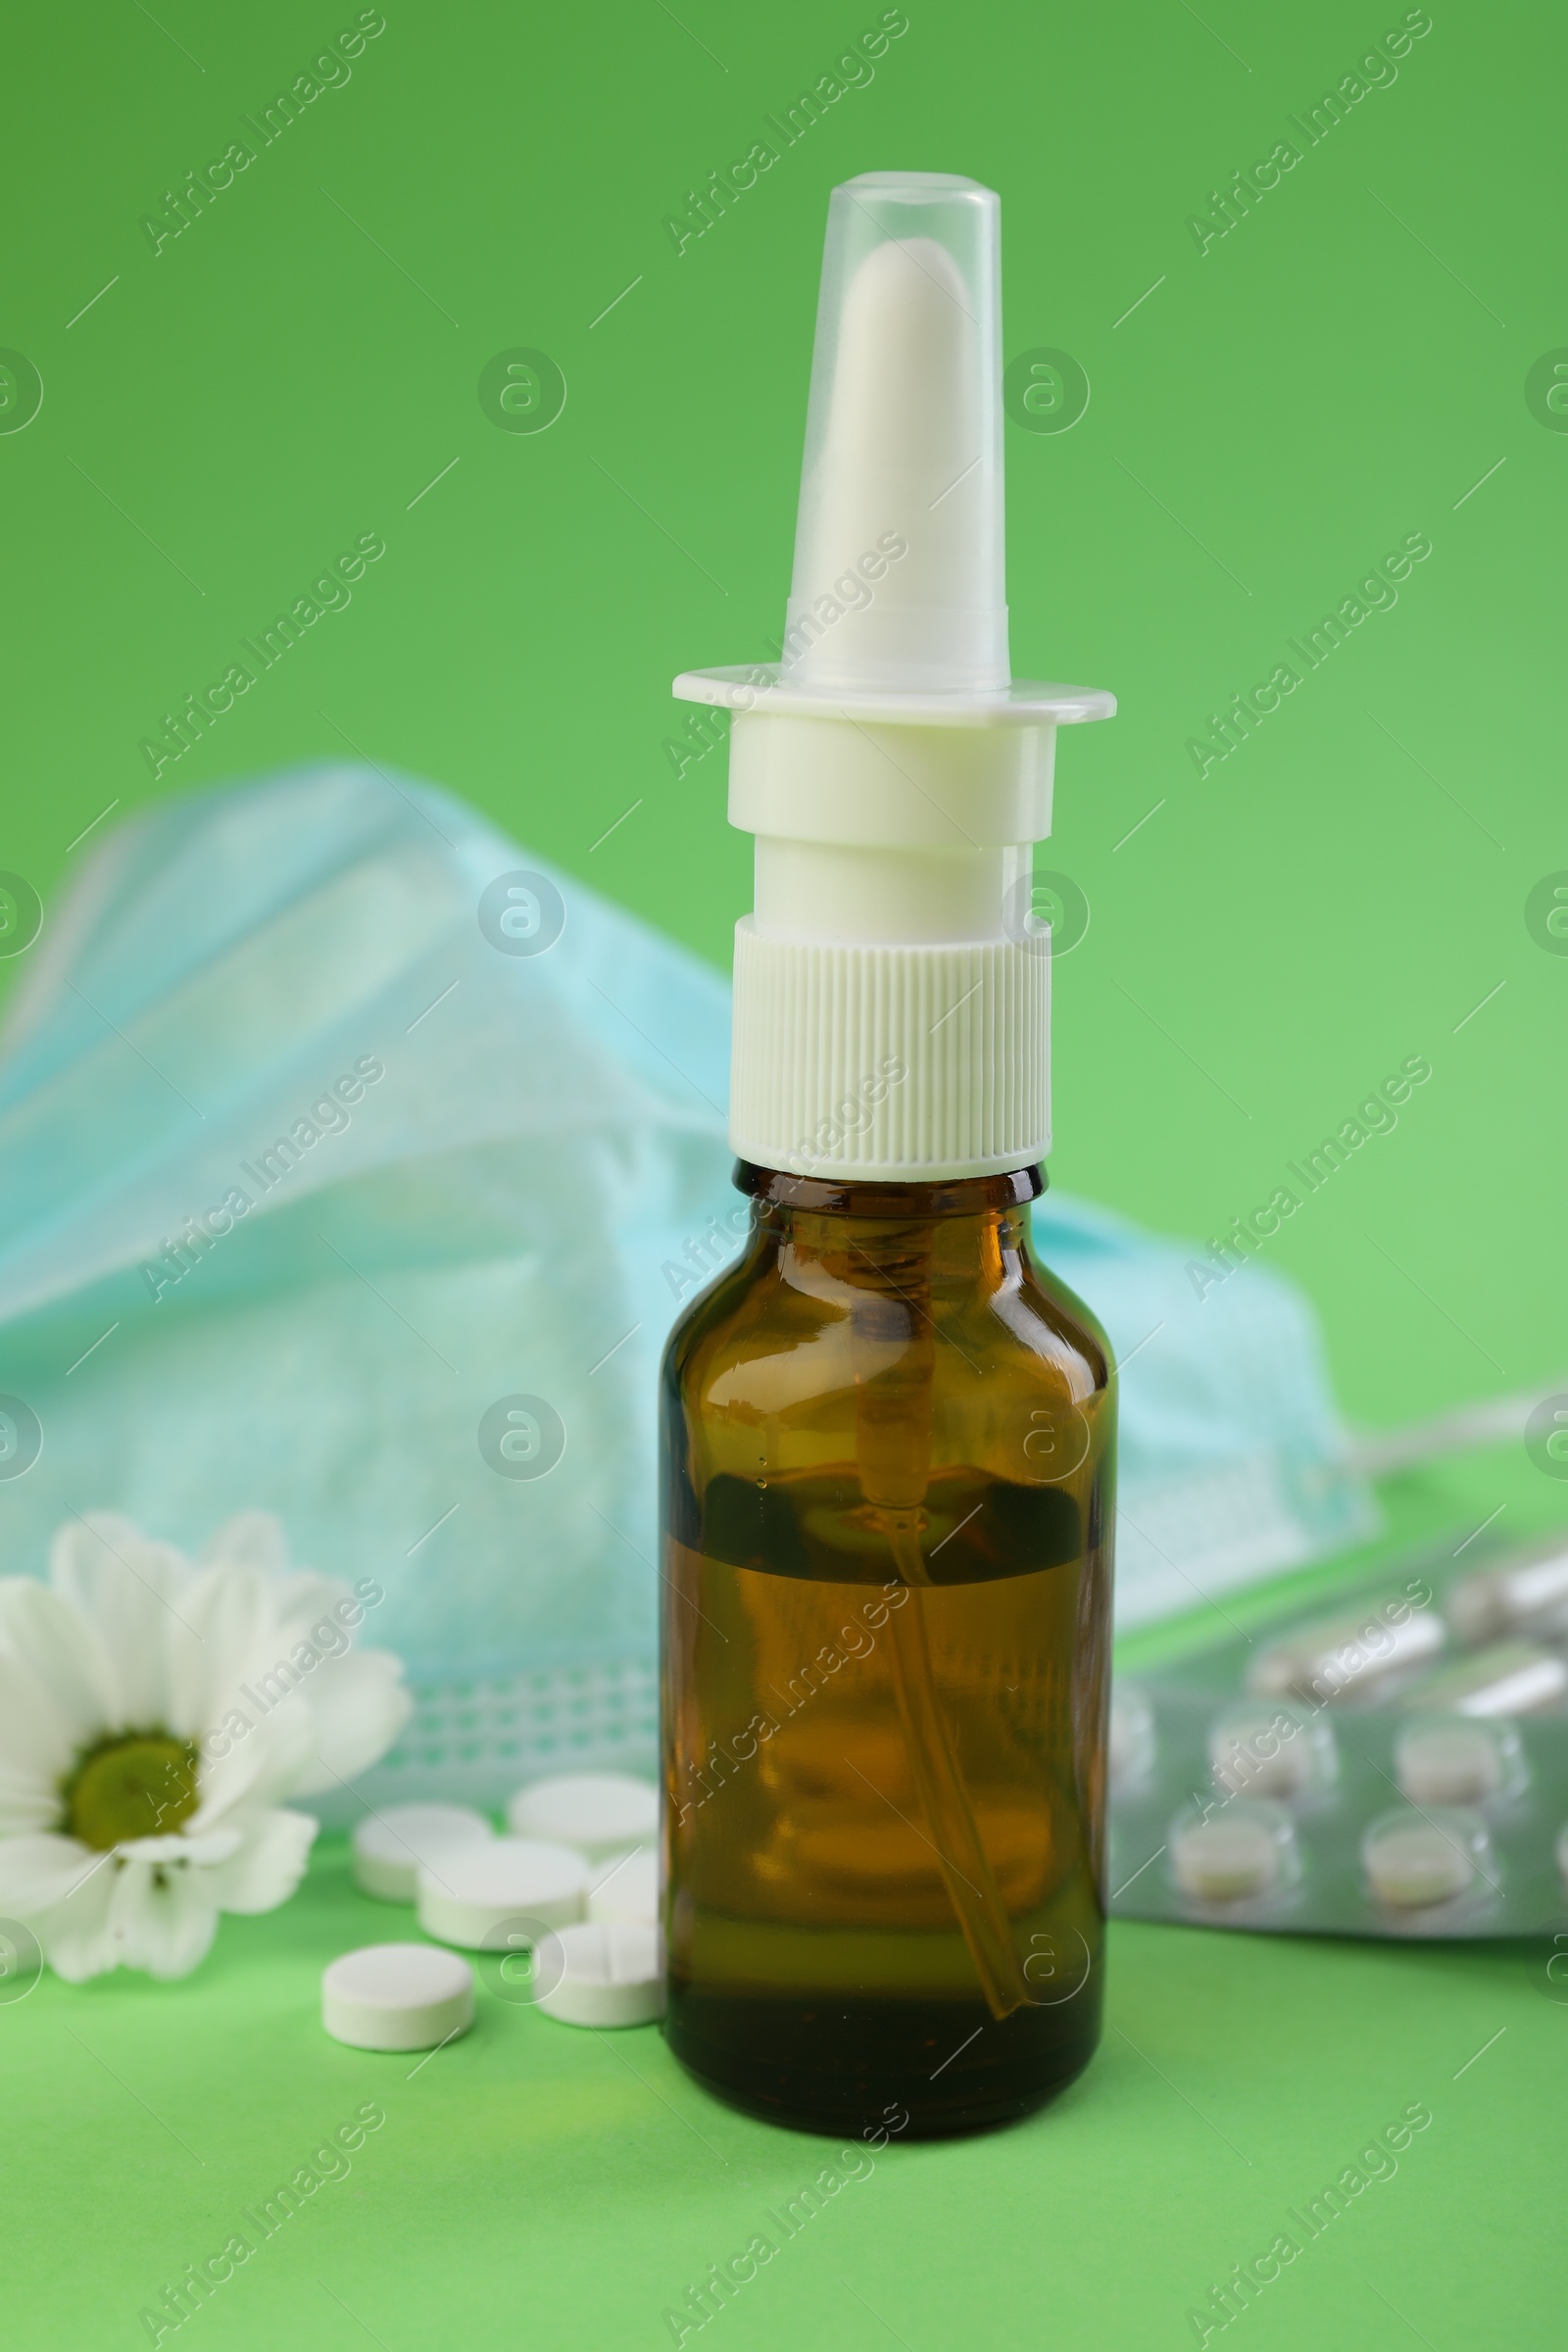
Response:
column 573, row 1885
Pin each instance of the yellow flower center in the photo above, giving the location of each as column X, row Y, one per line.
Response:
column 131, row 1785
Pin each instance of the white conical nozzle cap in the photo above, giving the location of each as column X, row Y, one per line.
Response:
column 899, row 579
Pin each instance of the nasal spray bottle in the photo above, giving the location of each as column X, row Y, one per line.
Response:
column 888, row 1431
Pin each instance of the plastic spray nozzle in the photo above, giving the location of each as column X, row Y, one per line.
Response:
column 893, row 770
column 899, row 579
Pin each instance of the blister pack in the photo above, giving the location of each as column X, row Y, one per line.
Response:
column 1396, row 1764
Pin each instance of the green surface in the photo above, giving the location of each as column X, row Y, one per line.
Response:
column 540, row 2185
column 536, row 2185
column 1346, row 367
column 1283, row 409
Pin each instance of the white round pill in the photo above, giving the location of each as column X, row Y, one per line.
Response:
column 599, row 1813
column 389, row 1847
column 1245, row 1849
column 609, row 1975
column 397, row 1996
column 1415, row 1859
column 482, row 1887
column 1450, row 1763
column 627, row 1888
column 1270, row 1751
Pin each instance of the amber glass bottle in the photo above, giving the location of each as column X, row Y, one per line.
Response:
column 888, row 1463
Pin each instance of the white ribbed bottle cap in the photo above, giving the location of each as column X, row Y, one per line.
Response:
column 892, row 987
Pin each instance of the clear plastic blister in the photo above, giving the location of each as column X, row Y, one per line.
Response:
column 1393, row 1765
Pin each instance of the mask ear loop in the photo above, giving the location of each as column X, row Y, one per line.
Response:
column 1488, row 1422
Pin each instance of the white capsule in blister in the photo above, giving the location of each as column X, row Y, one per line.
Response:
column 1511, row 1678
column 1346, row 1656
column 1271, row 1752
column 1449, row 1761
column 1131, row 1754
column 1244, row 1849
column 1526, row 1594
column 1414, row 1860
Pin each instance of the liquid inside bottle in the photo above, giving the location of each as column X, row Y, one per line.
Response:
column 888, row 1455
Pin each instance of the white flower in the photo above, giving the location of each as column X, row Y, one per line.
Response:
column 153, row 1716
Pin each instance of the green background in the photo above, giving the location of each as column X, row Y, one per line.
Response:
column 1346, row 367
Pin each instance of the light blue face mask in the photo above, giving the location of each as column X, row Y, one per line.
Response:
column 356, row 1165
column 1234, row 1464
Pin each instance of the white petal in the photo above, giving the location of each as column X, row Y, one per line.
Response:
column 36, row 1751
column 80, row 1541
column 357, row 1706
column 229, row 1628
column 268, row 1865
column 244, row 1658
column 264, row 1763
column 25, row 1806
column 250, row 1540
column 129, row 1590
column 304, row 1597
column 206, row 1849
column 51, row 1641
column 75, row 1933
column 161, row 1919
column 37, row 1873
